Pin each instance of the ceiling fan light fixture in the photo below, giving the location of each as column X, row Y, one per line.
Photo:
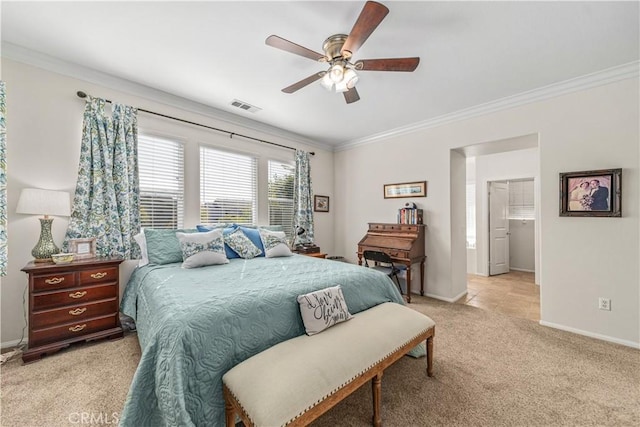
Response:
column 350, row 78
column 336, row 72
column 327, row 82
column 341, row 86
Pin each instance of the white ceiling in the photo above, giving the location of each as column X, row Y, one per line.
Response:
column 471, row 53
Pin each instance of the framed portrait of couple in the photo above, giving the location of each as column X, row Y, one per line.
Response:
column 591, row 193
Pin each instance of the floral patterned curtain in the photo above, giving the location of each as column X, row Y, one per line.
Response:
column 3, row 183
column 303, row 198
column 106, row 202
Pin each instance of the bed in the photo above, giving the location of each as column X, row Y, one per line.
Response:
column 195, row 324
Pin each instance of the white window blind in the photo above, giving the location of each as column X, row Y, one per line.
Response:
column 471, row 215
column 521, row 199
column 281, row 195
column 161, row 174
column 228, row 187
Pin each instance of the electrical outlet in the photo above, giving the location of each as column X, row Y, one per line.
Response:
column 604, row 304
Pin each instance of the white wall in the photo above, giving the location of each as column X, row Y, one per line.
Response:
column 44, row 124
column 499, row 167
column 581, row 258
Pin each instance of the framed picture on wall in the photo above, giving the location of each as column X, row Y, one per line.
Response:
column 591, row 193
column 321, row 203
column 405, row 189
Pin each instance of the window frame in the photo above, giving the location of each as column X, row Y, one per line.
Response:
column 256, row 187
column 154, row 137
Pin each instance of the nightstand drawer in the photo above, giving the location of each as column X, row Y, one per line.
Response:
column 99, row 275
column 71, row 330
column 73, row 297
column 73, row 313
column 54, row 281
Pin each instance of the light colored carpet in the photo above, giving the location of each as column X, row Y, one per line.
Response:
column 489, row 370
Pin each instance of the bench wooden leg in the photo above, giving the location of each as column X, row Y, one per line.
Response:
column 430, row 356
column 229, row 411
column 230, row 414
column 376, row 388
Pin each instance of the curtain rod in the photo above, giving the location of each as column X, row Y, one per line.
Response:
column 82, row 94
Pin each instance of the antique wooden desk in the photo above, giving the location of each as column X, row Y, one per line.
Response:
column 403, row 242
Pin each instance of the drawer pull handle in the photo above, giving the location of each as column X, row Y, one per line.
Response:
column 77, row 311
column 54, row 280
column 98, row 275
column 78, row 294
column 77, row 328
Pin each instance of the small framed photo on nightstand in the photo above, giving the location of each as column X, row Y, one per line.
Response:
column 83, row 248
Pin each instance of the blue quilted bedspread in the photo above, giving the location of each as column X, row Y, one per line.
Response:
column 196, row 324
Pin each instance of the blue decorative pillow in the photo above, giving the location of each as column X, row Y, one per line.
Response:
column 163, row 246
column 200, row 249
column 274, row 243
column 209, row 227
column 241, row 244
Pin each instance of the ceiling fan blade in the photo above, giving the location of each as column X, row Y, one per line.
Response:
column 286, row 45
column 388, row 64
column 371, row 16
column 304, row 82
column 351, row 95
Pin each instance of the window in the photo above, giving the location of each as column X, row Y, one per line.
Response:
column 471, row 215
column 161, row 172
column 281, row 195
column 228, row 187
column 521, row 204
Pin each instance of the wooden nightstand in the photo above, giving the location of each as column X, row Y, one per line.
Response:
column 70, row 303
column 316, row 255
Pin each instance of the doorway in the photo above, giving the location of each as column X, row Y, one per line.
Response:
column 508, row 285
column 511, row 225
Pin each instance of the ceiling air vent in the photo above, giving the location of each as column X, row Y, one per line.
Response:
column 244, row 106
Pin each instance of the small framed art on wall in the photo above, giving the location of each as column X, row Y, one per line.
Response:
column 321, row 203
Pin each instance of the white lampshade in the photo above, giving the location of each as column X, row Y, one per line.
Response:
column 351, row 78
column 327, row 83
column 336, row 72
column 44, row 202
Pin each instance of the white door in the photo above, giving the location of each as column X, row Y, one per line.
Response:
column 498, row 228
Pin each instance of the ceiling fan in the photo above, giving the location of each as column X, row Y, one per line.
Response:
column 338, row 52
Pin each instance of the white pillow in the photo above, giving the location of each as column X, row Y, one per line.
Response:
column 142, row 242
column 322, row 309
column 200, row 249
column 274, row 243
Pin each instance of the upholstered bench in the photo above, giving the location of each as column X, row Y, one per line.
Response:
column 296, row 381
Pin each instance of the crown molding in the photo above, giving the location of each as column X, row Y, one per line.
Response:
column 588, row 81
column 50, row 63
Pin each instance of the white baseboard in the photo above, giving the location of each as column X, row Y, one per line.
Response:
column 522, row 269
column 591, row 334
column 441, row 298
column 11, row 344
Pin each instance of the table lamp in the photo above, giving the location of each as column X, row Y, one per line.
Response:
column 34, row 201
